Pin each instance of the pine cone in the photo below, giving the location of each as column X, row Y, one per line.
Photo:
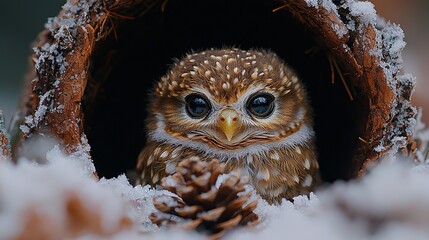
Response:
column 199, row 204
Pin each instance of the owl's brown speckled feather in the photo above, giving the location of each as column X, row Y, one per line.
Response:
column 276, row 149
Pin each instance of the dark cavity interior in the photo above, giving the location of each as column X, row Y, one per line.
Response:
column 125, row 67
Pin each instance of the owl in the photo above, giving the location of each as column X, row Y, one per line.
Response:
column 247, row 109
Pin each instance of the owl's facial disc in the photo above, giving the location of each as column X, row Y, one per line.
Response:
column 229, row 100
column 230, row 123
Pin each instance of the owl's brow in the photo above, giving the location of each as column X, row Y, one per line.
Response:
column 249, row 92
column 240, row 100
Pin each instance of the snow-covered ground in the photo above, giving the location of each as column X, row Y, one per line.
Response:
column 63, row 200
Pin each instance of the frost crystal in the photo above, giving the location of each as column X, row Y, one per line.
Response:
column 364, row 11
column 32, row 121
column 402, row 113
column 312, row 3
column 329, row 6
column 340, row 31
column 51, row 57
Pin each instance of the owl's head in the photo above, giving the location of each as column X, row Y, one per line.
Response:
column 229, row 99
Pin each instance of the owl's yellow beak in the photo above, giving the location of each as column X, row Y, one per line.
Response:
column 228, row 122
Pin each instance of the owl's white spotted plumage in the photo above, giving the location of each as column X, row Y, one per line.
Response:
column 245, row 108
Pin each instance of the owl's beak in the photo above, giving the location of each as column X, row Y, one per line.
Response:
column 228, row 122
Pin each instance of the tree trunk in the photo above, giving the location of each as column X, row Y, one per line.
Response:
column 96, row 60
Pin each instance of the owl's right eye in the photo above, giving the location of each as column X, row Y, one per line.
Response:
column 261, row 105
column 197, row 106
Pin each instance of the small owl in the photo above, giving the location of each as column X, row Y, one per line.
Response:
column 246, row 109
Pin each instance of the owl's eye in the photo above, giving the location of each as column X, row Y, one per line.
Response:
column 261, row 105
column 197, row 106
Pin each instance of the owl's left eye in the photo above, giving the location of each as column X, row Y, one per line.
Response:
column 261, row 105
column 197, row 106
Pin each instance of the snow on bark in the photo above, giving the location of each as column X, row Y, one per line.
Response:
column 364, row 11
column 402, row 84
column 388, row 49
column 63, row 29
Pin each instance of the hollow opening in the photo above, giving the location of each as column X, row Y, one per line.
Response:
column 139, row 51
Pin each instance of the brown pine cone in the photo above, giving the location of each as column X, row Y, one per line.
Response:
column 199, row 204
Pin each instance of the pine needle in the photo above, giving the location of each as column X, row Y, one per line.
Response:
column 119, row 16
column 148, row 8
column 333, row 62
column 164, row 4
column 281, row 7
column 312, row 50
column 332, row 69
column 114, row 14
column 363, row 140
column 115, row 34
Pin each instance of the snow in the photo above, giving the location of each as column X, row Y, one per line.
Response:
column 390, row 202
column 44, row 190
column 327, row 4
column 64, row 31
column 32, row 121
column 403, row 114
column 138, row 197
column 364, row 11
column 388, row 48
column 81, row 153
column 340, row 30
column 312, row 3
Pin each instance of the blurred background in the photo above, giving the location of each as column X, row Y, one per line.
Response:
column 20, row 23
column 22, row 20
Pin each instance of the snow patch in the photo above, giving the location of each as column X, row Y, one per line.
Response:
column 312, row 3
column 339, row 30
column 403, row 114
column 33, row 121
column 51, row 57
column 364, row 11
column 327, row 4
column 392, row 201
column 45, row 190
column 139, row 199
